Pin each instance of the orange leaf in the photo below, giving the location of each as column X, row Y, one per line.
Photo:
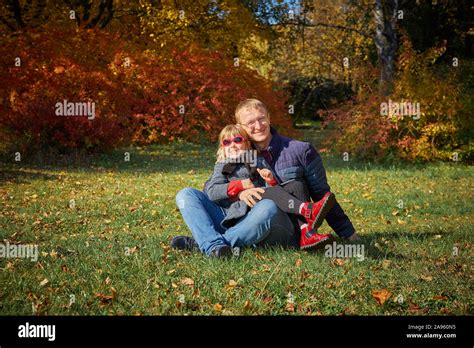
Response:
column 338, row 262
column 381, row 295
column 440, row 297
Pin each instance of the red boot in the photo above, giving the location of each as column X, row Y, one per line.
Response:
column 315, row 213
column 311, row 239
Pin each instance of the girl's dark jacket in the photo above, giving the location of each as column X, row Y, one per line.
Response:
column 217, row 187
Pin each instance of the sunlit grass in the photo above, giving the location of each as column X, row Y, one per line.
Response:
column 103, row 231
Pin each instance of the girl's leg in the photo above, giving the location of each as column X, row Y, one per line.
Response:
column 298, row 189
column 283, row 199
column 309, row 236
column 289, row 199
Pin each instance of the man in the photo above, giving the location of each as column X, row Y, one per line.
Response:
column 265, row 224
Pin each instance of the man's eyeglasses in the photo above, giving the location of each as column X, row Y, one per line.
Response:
column 238, row 139
column 262, row 120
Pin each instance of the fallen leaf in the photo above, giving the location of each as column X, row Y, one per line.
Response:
column 338, row 262
column 401, row 222
column 187, row 281
column 426, row 278
column 290, row 307
column 105, row 299
column 44, row 282
column 196, row 292
column 268, row 299
column 10, row 265
column 217, row 307
column 247, row 305
column 132, row 209
column 298, row 262
column 445, row 310
column 415, row 309
column 440, row 297
column 231, row 285
column 381, row 295
column 386, row 264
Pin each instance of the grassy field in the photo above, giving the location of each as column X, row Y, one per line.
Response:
column 103, row 229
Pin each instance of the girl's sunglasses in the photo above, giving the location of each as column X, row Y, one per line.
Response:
column 238, row 139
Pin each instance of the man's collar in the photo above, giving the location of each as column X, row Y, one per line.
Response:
column 274, row 145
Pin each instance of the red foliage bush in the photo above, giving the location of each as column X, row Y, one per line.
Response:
column 188, row 95
column 57, row 66
column 140, row 96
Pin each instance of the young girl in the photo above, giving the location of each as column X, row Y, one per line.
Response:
column 238, row 168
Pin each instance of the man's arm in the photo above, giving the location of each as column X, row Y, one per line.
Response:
column 315, row 176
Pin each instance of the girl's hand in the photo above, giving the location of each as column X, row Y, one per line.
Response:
column 266, row 174
column 247, row 183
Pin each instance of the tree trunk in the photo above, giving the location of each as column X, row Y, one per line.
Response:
column 386, row 42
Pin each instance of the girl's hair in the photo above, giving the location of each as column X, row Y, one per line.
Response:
column 230, row 131
column 250, row 104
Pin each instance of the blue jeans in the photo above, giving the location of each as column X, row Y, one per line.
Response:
column 265, row 224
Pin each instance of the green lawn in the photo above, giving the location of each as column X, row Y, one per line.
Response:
column 107, row 253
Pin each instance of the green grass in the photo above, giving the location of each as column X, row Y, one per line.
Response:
column 128, row 208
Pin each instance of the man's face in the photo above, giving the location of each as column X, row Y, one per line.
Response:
column 256, row 123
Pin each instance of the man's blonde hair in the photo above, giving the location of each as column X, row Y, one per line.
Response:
column 250, row 104
column 229, row 131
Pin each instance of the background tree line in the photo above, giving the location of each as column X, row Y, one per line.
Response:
column 183, row 65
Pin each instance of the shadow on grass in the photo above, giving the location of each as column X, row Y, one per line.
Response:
column 22, row 177
column 167, row 158
column 380, row 252
column 176, row 158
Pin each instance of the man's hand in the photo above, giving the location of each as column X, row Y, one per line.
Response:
column 266, row 174
column 248, row 195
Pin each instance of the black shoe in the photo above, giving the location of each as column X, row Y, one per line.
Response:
column 221, row 251
column 184, row 243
